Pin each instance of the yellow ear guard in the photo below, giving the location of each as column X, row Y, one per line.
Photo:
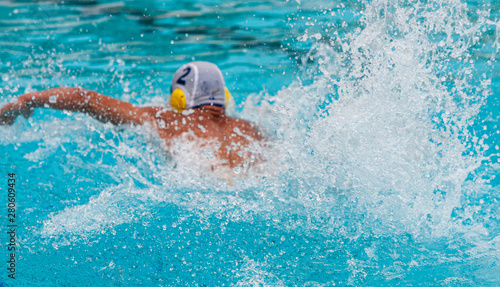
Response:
column 178, row 100
column 230, row 104
column 228, row 96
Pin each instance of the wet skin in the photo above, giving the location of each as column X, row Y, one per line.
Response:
column 231, row 138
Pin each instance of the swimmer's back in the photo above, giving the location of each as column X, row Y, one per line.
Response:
column 231, row 138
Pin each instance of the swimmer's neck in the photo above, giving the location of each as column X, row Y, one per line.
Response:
column 209, row 110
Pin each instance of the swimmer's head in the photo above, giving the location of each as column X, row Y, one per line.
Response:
column 198, row 84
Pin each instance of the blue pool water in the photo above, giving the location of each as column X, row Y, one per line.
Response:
column 383, row 155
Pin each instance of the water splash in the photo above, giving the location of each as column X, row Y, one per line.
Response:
column 384, row 129
column 379, row 145
column 390, row 117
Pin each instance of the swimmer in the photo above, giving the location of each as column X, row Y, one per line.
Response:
column 198, row 101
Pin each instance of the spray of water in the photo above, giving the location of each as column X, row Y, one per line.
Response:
column 388, row 121
column 381, row 140
column 383, row 131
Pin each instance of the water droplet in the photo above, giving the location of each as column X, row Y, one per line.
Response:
column 237, row 170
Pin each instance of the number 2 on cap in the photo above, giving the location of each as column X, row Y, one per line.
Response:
column 181, row 81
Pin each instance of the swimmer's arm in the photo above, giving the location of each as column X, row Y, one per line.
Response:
column 101, row 107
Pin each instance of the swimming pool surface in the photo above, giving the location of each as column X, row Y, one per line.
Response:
column 383, row 156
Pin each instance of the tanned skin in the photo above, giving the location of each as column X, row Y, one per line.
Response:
column 230, row 137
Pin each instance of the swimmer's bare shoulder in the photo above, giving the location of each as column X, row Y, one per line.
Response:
column 244, row 127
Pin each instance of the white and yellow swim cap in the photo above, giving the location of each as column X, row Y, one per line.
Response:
column 196, row 84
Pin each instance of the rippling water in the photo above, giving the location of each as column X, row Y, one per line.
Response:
column 383, row 157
